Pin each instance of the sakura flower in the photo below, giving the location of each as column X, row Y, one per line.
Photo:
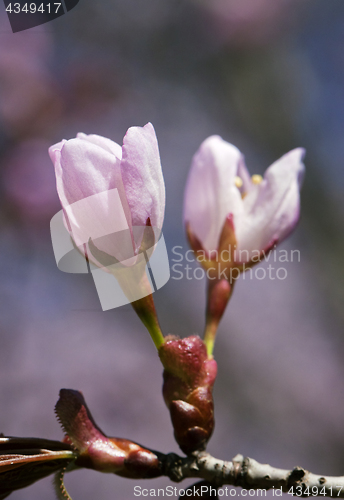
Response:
column 221, row 197
column 113, row 200
column 233, row 221
column 110, row 193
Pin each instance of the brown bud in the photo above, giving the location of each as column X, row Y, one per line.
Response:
column 189, row 377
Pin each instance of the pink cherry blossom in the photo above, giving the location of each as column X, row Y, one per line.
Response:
column 262, row 211
column 104, row 187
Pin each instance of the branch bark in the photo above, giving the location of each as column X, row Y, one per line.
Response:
column 250, row 474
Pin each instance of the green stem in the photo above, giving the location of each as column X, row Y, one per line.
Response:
column 209, row 338
column 145, row 309
column 219, row 292
column 133, row 280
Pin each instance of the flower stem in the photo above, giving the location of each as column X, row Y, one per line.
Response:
column 209, row 338
column 135, row 282
column 219, row 292
column 145, row 309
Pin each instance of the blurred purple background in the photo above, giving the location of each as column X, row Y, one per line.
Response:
column 268, row 76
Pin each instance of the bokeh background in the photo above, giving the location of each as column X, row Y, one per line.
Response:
column 268, row 76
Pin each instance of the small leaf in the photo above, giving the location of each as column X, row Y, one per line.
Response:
column 76, row 419
column 23, row 461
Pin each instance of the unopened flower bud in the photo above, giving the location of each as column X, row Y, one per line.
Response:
column 189, row 376
column 113, row 201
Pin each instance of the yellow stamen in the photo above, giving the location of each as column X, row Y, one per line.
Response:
column 238, row 182
column 256, row 179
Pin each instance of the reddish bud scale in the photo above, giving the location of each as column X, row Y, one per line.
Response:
column 122, row 457
column 97, row 451
column 189, row 376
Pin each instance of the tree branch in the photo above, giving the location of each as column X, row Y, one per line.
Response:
column 250, row 474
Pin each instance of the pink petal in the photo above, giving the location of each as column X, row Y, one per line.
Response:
column 55, row 149
column 244, row 175
column 103, row 142
column 83, row 171
column 211, row 193
column 272, row 208
column 142, row 178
